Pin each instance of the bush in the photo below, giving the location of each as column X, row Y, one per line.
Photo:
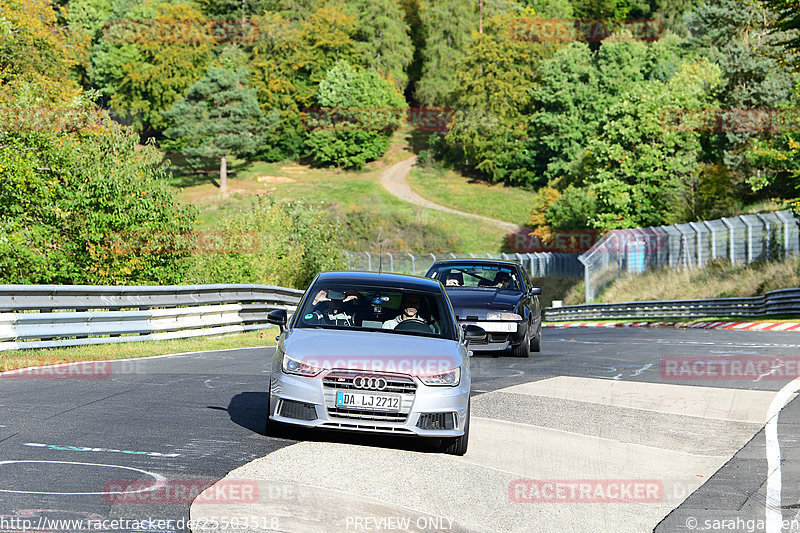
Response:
column 74, row 202
column 291, row 243
column 359, row 111
column 371, row 230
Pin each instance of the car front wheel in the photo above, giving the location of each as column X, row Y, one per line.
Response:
column 523, row 350
column 536, row 342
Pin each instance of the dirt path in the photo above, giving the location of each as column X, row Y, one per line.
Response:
column 394, row 181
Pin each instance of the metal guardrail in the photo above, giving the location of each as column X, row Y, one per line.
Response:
column 780, row 302
column 48, row 316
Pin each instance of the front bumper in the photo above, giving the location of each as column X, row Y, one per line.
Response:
column 311, row 402
column 500, row 334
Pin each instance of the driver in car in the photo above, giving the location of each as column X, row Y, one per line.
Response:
column 409, row 311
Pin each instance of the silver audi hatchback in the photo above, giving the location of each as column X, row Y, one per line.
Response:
column 373, row 352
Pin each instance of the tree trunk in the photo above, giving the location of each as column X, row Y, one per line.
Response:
column 223, row 173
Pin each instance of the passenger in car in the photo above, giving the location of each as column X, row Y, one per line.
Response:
column 453, row 279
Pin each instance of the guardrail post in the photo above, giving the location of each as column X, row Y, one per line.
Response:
column 413, row 265
column 732, row 244
column 391, row 261
column 749, row 238
column 369, row 261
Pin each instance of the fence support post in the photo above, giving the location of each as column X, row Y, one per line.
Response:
column 696, row 229
column 369, row 261
column 587, row 281
column 785, row 233
column 766, row 242
column 413, row 264
column 713, row 239
column 391, row 261
column 730, row 239
column 749, row 238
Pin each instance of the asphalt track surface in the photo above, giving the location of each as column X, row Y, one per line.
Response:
column 193, row 418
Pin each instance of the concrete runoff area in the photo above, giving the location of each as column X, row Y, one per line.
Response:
column 346, row 487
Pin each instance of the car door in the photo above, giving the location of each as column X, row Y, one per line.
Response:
column 531, row 301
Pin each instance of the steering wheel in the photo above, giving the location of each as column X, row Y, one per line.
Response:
column 414, row 325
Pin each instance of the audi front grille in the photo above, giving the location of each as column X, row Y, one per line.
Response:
column 394, row 383
column 376, row 382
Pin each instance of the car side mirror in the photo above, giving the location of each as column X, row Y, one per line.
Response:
column 473, row 333
column 278, row 317
column 536, row 291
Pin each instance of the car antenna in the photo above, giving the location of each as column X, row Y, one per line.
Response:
column 380, row 260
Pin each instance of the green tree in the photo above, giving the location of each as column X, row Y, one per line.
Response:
column 494, row 81
column 735, row 35
column 217, row 118
column 448, row 27
column 36, row 55
column 359, row 111
column 641, row 172
column 148, row 60
column 383, row 38
column 85, row 205
column 787, row 20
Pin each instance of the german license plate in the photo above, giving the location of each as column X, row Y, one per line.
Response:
column 365, row 401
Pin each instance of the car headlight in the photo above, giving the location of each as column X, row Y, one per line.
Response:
column 503, row 316
column 295, row 366
column 451, row 378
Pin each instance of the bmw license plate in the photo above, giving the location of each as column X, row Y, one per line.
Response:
column 372, row 402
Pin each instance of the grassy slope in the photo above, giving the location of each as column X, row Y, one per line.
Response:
column 345, row 189
column 450, row 188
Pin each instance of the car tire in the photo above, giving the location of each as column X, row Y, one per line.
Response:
column 536, row 342
column 271, row 428
column 458, row 445
column 524, row 348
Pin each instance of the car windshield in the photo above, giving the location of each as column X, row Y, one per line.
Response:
column 388, row 310
column 477, row 275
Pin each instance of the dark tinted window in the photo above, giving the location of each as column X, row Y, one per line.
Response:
column 476, row 275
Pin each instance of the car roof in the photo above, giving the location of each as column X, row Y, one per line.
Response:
column 469, row 260
column 382, row 279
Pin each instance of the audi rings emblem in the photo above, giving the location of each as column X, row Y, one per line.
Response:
column 364, row 382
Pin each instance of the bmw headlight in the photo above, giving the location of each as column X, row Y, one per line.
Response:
column 301, row 368
column 503, row 316
column 451, row 378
